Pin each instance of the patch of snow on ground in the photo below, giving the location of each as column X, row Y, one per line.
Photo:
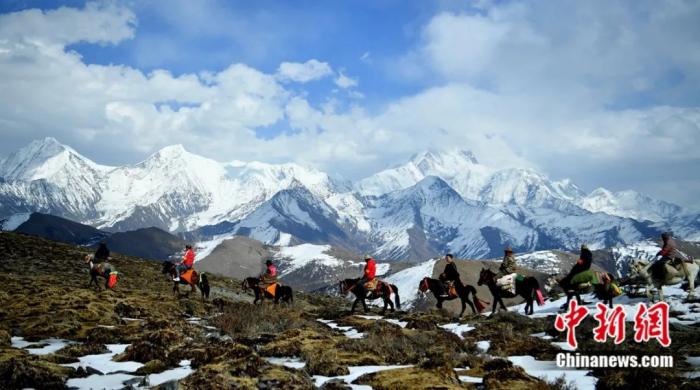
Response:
column 458, row 329
column 49, row 346
column 470, row 379
column 103, row 362
column 355, row 372
column 348, row 331
column 483, row 345
column 173, row 374
column 389, row 320
column 407, row 281
column 15, row 220
column 548, row 370
column 542, row 335
column 95, row 381
column 299, row 256
column 290, row 362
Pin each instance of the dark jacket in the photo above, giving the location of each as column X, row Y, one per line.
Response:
column 102, row 253
column 451, row 272
column 583, row 263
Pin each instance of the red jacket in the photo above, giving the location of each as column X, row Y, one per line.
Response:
column 370, row 269
column 188, row 260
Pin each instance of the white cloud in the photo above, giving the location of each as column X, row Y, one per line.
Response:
column 303, row 72
column 96, row 23
column 344, row 81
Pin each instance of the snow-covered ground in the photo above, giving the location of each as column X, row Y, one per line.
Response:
column 389, row 320
column 43, row 347
column 407, row 281
column 457, row 328
column 548, row 370
column 348, row 331
column 355, row 372
column 685, row 313
column 298, row 256
column 290, row 362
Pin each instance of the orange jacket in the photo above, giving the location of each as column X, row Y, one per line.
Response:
column 188, row 260
column 370, row 269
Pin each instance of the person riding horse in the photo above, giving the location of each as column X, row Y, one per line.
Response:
column 268, row 280
column 187, row 263
column 450, row 277
column 367, row 281
column 582, row 264
column 670, row 256
column 506, row 272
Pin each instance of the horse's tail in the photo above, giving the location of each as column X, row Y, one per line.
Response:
column 478, row 303
column 397, row 299
column 537, row 292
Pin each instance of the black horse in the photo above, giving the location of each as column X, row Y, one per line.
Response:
column 169, row 269
column 528, row 288
column 602, row 289
column 463, row 292
column 284, row 293
column 383, row 291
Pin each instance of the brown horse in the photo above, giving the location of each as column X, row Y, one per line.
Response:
column 169, row 269
column 383, row 291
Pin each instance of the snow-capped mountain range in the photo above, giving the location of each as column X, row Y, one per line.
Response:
column 436, row 202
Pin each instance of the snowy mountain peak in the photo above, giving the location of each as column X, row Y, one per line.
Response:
column 44, row 159
column 630, row 204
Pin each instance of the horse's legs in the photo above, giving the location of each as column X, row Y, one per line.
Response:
column 354, row 304
column 503, row 306
column 364, row 305
column 439, row 303
column 661, row 292
column 494, row 308
column 464, row 307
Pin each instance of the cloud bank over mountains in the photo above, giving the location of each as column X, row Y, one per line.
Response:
column 521, row 84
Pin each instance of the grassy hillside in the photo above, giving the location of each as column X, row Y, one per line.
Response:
column 44, row 295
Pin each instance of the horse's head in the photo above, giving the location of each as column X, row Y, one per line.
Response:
column 88, row 258
column 423, row 286
column 168, row 267
column 485, row 276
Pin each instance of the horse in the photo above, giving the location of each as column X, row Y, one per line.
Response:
column 602, row 288
column 361, row 294
column 104, row 270
column 463, row 291
column 671, row 275
column 528, row 288
column 285, row 293
column 169, row 269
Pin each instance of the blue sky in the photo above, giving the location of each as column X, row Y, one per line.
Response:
column 606, row 94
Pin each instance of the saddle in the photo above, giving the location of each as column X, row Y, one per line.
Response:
column 374, row 287
column 451, row 289
column 270, row 289
column 188, row 275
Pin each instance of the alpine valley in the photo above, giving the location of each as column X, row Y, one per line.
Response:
column 436, row 202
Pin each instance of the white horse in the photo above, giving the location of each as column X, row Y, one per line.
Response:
column 673, row 274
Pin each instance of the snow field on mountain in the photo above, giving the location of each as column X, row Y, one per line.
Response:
column 407, row 281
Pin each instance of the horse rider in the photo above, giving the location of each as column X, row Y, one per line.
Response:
column 449, row 276
column 669, row 255
column 582, row 264
column 187, row 262
column 269, row 277
column 506, row 272
column 369, row 273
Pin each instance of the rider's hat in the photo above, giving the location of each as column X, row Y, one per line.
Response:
column 268, row 261
column 367, row 257
column 508, row 249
